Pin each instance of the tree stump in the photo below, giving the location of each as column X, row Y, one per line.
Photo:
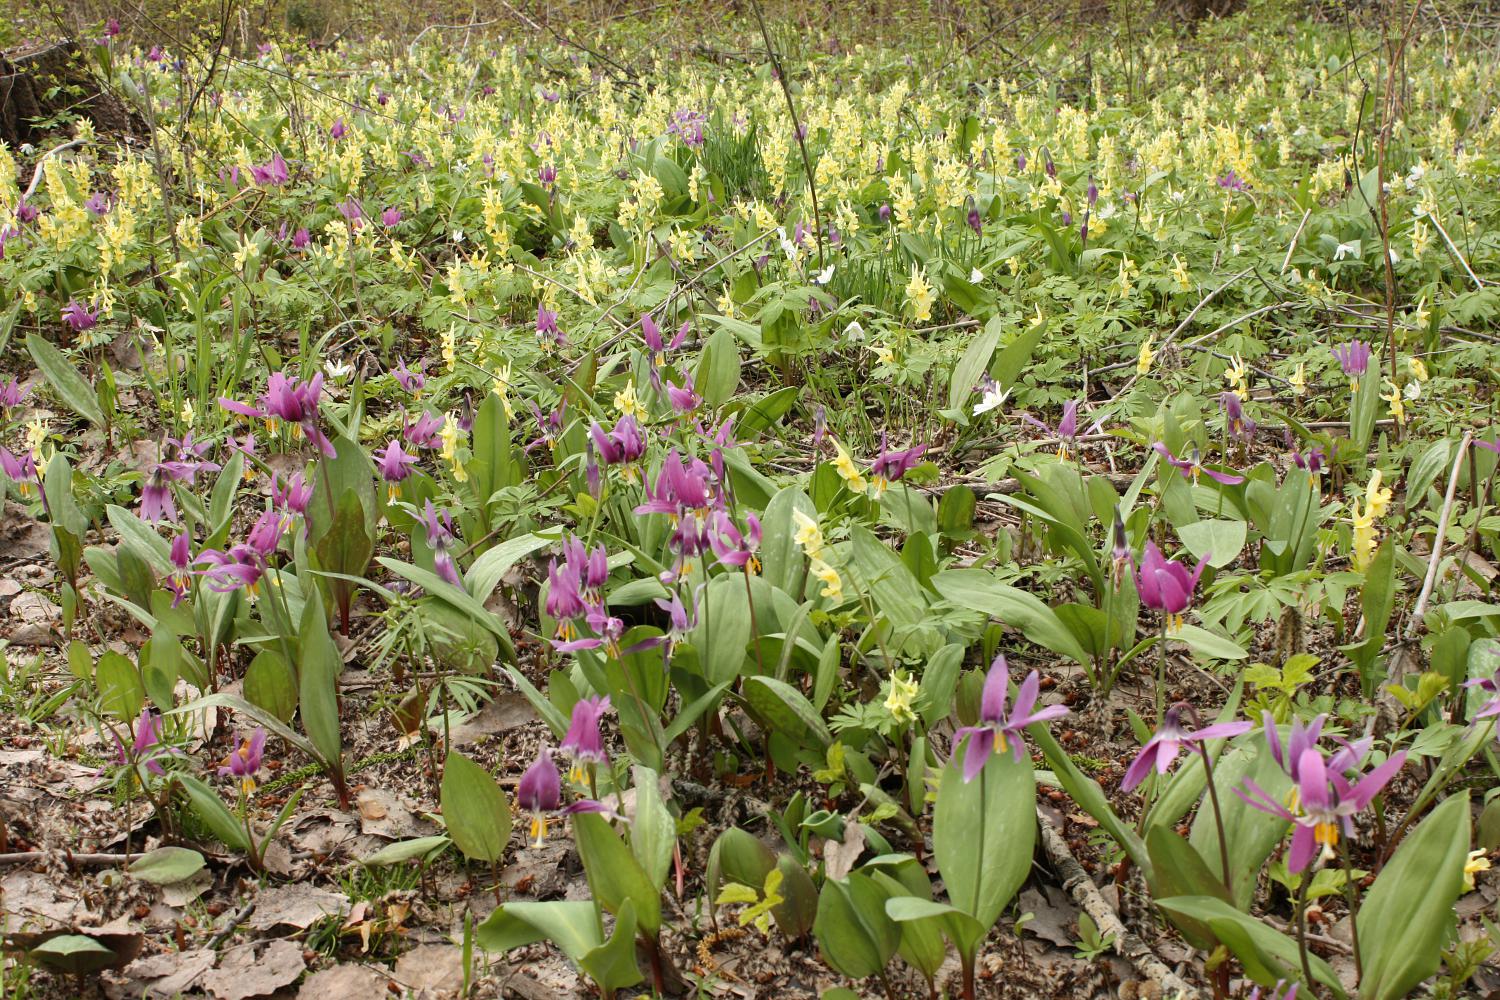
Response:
column 38, row 84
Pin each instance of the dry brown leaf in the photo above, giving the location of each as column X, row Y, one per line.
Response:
column 296, row 905
column 436, row 968
column 344, row 981
column 839, row 858
column 255, row 970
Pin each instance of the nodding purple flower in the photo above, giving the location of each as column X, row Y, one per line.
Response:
column 550, row 425
column 20, row 469
column 1050, row 167
column 1067, row 218
column 547, row 332
column 1312, row 462
column 1353, row 358
column 583, row 742
column 547, row 174
column 1168, row 741
column 181, row 557
column 820, row 427
column 1232, row 182
column 181, row 461
column 264, row 536
column 976, row 222
column 292, row 496
column 1491, row 708
column 338, row 130
column 439, row 527
column 292, row 400
column 1325, row 798
column 13, row 394
column 80, row 316
column 1235, row 421
column 1166, row 585
column 411, row 381
column 1020, row 162
column 390, row 217
column 687, row 125
column 351, row 210
column 684, row 398
column 540, row 793
column 551, row 96
column 1066, row 430
column 622, row 446
column 891, row 466
column 145, row 743
column 382, row 98
column 680, row 621
column 98, row 203
column 7, row 234
column 244, row 761
column 658, row 346
column 240, row 566
column 1192, row 468
column 26, row 213
column 730, row 545
column 272, row 173
column 156, row 54
column 424, row 432
column 301, row 238
column 1000, row 727
column 112, row 27
column 680, row 489
column 1092, row 193
column 1120, row 551
column 394, row 465
column 884, row 212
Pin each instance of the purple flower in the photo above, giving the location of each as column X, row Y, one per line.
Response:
column 1165, row 585
column 228, row 571
column 583, row 742
column 180, row 463
column 684, row 398
column 390, row 217
column 156, row 54
column 1066, row 430
column 244, row 761
column 338, row 130
column 732, row 547
column 79, row 316
column 25, row 212
column 547, row 174
column 272, row 173
column 181, row 557
column 265, row 534
column 1000, row 727
column 351, row 210
column 13, row 394
column 1325, row 800
column 687, row 125
column 622, row 446
column 411, row 381
column 550, row 425
column 976, row 223
column 424, row 432
column 547, row 332
column 1232, row 182
column 394, row 464
column 1165, row 744
column 891, row 466
column 658, row 346
column 291, row 497
column 1490, row 708
column 292, row 400
column 145, row 741
column 98, row 203
column 540, row 793
column 1238, row 425
column 884, row 212
column 439, row 527
column 1353, row 358
column 1192, row 468
column 20, row 469
column 301, row 238
column 680, row 488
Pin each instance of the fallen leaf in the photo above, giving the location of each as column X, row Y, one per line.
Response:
column 161, row 977
column 344, row 981
column 505, row 712
column 437, row 968
column 383, row 814
column 839, row 858
column 296, row 905
column 256, row 969
column 1051, row 920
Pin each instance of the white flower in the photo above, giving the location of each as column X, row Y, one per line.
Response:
column 976, row 276
column 854, row 331
column 993, row 397
column 1413, row 391
column 824, row 276
column 1346, row 249
column 338, row 371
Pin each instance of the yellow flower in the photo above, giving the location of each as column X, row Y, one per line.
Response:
column 883, row 354
column 1180, row 274
column 1235, row 375
column 1476, row 863
column 1365, row 533
column 36, row 433
column 1377, row 499
column 1143, row 363
column 1418, row 369
column 919, row 296
column 1298, row 381
column 833, row 587
column 450, row 351
column 1398, row 406
column 847, row 470
column 903, row 693
column 809, row 537
column 502, row 389
column 627, row 403
column 188, row 414
column 449, row 434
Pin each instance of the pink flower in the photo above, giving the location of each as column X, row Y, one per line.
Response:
column 1000, row 728
column 1168, row 740
column 1165, row 585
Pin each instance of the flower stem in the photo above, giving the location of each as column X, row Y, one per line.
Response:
column 1213, row 800
column 1302, row 889
column 1351, row 894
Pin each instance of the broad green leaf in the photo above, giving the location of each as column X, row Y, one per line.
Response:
column 1267, row 955
column 787, row 711
column 718, row 371
column 213, row 812
column 983, row 836
column 1408, row 917
column 974, row 363
column 653, row 833
column 72, row 388
column 407, row 850
column 978, row 590
column 474, row 808
column 486, row 572
column 854, row 934
column 1219, row 541
column 615, row 877
column 166, row 865
column 318, row 671
column 1208, row 644
column 121, row 692
column 271, row 684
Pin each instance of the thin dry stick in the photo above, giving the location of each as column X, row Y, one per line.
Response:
column 1437, row 542
column 1286, row 261
column 1185, row 321
column 791, row 107
column 1077, row 883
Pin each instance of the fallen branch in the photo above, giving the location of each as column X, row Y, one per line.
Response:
column 1081, row 887
column 227, row 931
column 86, row 860
column 1437, row 542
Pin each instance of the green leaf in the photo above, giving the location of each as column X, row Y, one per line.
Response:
column 1016, row 355
column 167, row 865
column 437, row 587
column 318, row 694
column 475, row 809
column 615, row 877
column 723, row 629
column 973, row 364
column 983, row 836
column 574, row 928
column 486, row 572
column 141, row 538
column 271, row 684
column 978, row 590
column 787, row 711
column 1377, row 600
column 718, row 370
column 653, row 833
column 72, row 388
column 350, row 469
column 1408, row 917
column 407, row 850
column 854, row 934
column 213, row 812
column 121, row 692
column 1220, row 541
column 782, row 563
column 1268, row 956
column 1208, row 644
column 75, row 954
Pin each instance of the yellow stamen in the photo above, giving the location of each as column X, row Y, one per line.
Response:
column 538, row 830
column 1326, row 834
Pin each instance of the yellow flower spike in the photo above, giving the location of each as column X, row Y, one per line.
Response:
column 1476, row 862
column 1298, row 381
column 1147, row 355
column 903, row 694
column 538, row 831
column 809, row 536
column 847, row 470
column 1418, row 369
